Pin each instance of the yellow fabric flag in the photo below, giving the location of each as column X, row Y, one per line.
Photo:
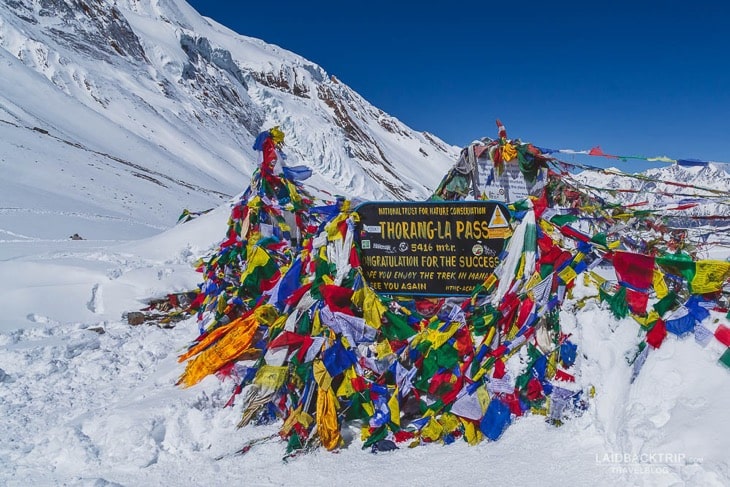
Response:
column 233, row 344
column 383, row 349
column 472, row 434
column 368, row 406
column 317, row 325
column 345, row 389
column 509, row 152
column 432, row 431
column 709, row 276
column 647, row 320
column 491, row 281
column 290, row 421
column 257, row 257
column 596, row 278
column 296, row 198
column 271, row 376
column 332, row 228
column 660, row 285
column 567, row 275
column 236, row 338
column 438, row 338
column 534, row 280
column 521, row 267
column 210, row 338
column 321, row 376
column 373, row 308
column 552, row 365
column 394, row 407
column 479, row 374
column 484, row 399
column 329, row 430
column 449, row 422
column 546, row 226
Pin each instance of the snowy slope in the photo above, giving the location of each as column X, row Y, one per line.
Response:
column 112, row 142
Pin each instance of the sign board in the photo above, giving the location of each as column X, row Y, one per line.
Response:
column 510, row 186
column 430, row 248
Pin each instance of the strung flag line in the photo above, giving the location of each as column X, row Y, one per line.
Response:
column 598, row 152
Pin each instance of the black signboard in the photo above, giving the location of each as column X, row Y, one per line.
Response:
column 430, row 248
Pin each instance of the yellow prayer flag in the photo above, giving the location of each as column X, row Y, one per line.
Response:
column 534, row 280
column 484, row 399
column 290, row 421
column 438, row 338
column 317, row 327
column 568, row 274
column 383, row 349
column 521, row 267
column 235, row 339
column 321, row 376
column 491, row 281
column 660, row 285
column 373, row 308
column 709, row 276
column 332, row 228
column 597, row 279
column 546, row 226
column 257, row 257
column 345, row 389
column 552, row 365
column 647, row 320
column 471, row 432
column 432, row 430
column 305, row 419
column 449, row 422
column 509, row 152
column 271, row 376
column 394, row 408
column 327, row 426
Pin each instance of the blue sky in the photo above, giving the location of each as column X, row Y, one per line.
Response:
column 637, row 78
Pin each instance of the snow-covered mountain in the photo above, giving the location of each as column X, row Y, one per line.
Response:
column 111, row 103
column 704, row 186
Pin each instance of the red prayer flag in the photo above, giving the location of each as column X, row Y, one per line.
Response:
column 636, row 270
column 564, row 376
column 637, row 301
column 499, row 369
column 723, row 335
column 596, row 151
column 338, row 298
column 656, row 335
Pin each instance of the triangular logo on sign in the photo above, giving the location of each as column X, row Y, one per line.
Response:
column 498, row 219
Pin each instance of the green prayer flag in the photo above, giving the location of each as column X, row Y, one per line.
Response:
column 546, row 269
column 617, row 302
column 725, row 358
column 294, row 443
column 376, row 436
column 666, row 303
column 356, row 409
column 522, row 380
column 446, row 356
column 561, row 220
column 678, row 263
column 600, row 238
column 396, row 327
